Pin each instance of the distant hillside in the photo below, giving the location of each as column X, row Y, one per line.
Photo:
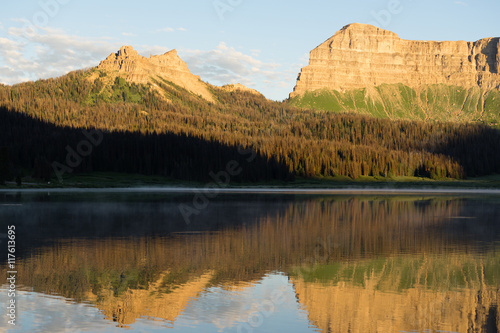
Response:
column 372, row 71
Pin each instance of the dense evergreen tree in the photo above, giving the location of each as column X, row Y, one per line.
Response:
column 4, row 164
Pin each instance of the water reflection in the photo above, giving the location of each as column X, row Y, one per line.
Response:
column 456, row 293
column 358, row 263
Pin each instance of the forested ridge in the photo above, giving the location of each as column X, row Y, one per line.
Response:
column 168, row 131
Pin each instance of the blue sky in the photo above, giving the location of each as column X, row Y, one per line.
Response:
column 262, row 44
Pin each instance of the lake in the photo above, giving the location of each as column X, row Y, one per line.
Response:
column 182, row 260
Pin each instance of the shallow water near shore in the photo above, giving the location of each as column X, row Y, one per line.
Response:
column 259, row 260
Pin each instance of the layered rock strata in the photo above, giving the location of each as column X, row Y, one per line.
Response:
column 361, row 55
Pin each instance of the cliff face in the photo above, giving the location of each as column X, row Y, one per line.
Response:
column 135, row 68
column 361, row 55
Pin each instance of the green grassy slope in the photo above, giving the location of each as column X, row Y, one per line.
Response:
column 397, row 101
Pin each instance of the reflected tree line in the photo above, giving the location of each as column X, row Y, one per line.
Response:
column 322, row 231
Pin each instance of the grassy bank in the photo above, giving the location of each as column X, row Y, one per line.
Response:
column 120, row 180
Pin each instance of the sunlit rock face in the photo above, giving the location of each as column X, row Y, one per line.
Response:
column 361, row 55
column 129, row 64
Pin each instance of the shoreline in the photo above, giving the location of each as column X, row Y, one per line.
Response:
column 264, row 190
column 135, row 182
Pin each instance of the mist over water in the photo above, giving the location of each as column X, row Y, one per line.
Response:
column 293, row 261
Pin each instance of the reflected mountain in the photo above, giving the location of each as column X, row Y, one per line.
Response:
column 358, row 263
column 454, row 293
column 161, row 299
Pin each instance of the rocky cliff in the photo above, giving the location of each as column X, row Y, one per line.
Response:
column 129, row 64
column 361, row 55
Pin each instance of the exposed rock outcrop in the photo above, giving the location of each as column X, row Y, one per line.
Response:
column 138, row 69
column 361, row 55
column 238, row 86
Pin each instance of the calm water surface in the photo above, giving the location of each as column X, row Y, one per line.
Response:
column 253, row 262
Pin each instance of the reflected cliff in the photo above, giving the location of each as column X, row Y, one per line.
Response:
column 359, row 263
column 453, row 293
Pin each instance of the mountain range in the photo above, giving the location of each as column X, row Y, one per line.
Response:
column 361, row 69
column 368, row 105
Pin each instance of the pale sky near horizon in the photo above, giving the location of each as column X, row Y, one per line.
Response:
column 261, row 44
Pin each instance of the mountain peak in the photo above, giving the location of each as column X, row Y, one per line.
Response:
column 127, row 51
column 362, row 30
column 240, row 87
column 360, row 26
column 133, row 67
column 361, row 55
column 357, row 26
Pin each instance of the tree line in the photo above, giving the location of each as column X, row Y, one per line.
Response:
column 169, row 131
